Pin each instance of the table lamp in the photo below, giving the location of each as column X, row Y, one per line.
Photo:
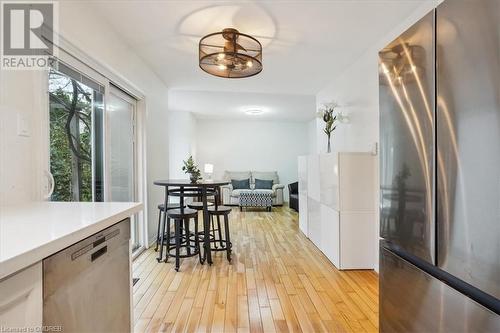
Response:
column 209, row 170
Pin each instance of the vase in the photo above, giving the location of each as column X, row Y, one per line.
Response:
column 329, row 147
column 193, row 179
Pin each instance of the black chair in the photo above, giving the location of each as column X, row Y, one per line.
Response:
column 198, row 205
column 161, row 211
column 183, row 238
column 225, row 244
column 293, row 199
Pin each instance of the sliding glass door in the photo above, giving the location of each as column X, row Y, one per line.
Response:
column 75, row 121
column 92, row 141
column 121, row 152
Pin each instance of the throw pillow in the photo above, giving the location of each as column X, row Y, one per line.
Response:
column 243, row 184
column 263, row 184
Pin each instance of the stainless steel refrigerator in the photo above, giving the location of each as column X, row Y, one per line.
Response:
column 440, row 172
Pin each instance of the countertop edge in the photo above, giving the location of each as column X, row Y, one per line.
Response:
column 31, row 257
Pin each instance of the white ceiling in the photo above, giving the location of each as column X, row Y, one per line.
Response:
column 306, row 43
column 232, row 105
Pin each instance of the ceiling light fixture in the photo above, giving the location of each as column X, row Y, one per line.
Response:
column 230, row 54
column 254, row 112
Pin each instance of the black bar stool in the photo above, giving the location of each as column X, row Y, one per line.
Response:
column 225, row 244
column 161, row 210
column 183, row 238
column 199, row 207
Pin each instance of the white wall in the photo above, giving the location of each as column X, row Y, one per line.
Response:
column 238, row 145
column 20, row 92
column 356, row 90
column 18, row 154
column 181, row 141
column 312, row 134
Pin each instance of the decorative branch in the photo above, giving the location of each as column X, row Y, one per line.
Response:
column 327, row 114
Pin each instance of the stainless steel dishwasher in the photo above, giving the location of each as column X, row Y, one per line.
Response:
column 86, row 287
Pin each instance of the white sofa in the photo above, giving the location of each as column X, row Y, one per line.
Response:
column 232, row 197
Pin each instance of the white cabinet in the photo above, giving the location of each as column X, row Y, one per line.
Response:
column 302, row 173
column 341, row 207
column 329, row 180
column 330, row 234
column 313, row 178
column 303, row 217
column 357, row 241
column 356, row 182
column 21, row 298
column 313, row 221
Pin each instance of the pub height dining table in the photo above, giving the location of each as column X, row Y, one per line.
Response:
column 184, row 188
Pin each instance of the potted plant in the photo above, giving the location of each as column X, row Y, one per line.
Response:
column 327, row 114
column 191, row 168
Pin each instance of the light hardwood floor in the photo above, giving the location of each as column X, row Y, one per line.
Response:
column 278, row 281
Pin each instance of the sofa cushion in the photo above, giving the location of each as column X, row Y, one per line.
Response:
column 240, row 184
column 272, row 175
column 236, row 193
column 263, row 184
column 238, row 175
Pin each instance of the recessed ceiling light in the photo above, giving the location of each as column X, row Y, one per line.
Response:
column 254, row 112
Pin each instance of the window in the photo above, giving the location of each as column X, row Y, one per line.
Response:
column 76, row 141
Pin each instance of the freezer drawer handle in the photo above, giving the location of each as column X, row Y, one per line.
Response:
column 98, row 253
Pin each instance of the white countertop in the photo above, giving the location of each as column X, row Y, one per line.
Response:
column 34, row 231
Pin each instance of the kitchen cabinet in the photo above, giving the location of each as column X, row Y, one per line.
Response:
column 21, row 298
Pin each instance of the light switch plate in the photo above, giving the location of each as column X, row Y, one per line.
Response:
column 22, row 125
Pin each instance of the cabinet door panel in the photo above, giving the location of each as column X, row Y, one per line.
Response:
column 313, row 179
column 303, row 214
column 330, row 234
column 302, row 174
column 357, row 230
column 21, row 298
column 357, row 181
column 314, row 222
column 329, row 183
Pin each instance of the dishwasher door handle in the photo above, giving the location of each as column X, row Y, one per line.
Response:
column 98, row 253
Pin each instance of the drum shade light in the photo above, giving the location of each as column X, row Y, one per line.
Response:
column 230, row 54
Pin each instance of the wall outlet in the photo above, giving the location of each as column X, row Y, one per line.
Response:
column 23, row 128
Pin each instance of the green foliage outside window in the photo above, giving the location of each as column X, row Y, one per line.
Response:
column 71, row 105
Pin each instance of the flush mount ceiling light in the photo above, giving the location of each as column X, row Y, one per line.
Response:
column 254, row 112
column 230, row 54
